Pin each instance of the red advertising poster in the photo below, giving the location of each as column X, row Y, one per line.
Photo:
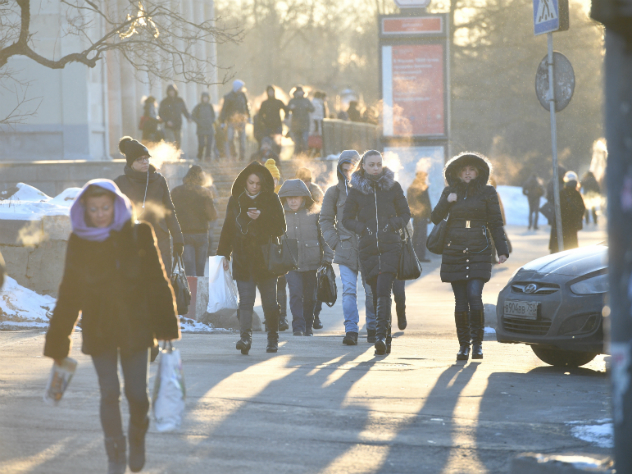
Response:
column 417, row 90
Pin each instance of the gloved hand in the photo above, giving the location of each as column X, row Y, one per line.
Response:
column 178, row 249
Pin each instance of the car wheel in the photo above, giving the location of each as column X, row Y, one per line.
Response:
column 562, row 358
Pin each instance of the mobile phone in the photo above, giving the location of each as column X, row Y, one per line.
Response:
column 252, row 209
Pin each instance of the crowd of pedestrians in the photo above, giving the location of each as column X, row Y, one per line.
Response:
column 128, row 233
column 223, row 134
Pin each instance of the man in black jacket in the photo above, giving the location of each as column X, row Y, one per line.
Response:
column 235, row 114
column 149, row 193
column 195, row 210
column 172, row 108
column 204, row 116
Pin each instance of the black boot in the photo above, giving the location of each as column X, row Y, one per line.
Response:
column 137, row 445
column 370, row 336
column 245, row 328
column 350, row 339
column 283, row 324
column 317, row 323
column 116, row 451
column 401, row 318
column 383, row 315
column 477, row 325
column 273, row 342
column 463, row 334
column 245, row 343
column 273, row 331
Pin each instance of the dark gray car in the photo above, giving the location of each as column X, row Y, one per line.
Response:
column 555, row 304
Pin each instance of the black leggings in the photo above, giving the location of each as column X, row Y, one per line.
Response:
column 468, row 295
column 381, row 285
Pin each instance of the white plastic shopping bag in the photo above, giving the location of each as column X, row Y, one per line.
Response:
column 169, row 391
column 222, row 291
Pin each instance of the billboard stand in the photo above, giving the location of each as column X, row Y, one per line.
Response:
column 415, row 92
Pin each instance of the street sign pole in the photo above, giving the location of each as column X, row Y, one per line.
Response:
column 556, row 178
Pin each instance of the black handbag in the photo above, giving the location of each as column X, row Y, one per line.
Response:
column 280, row 257
column 326, row 285
column 436, row 240
column 548, row 211
column 409, row 267
column 180, row 286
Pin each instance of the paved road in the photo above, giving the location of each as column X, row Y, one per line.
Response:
column 321, row 407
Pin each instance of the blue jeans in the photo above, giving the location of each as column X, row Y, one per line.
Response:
column 468, row 295
column 302, row 287
column 135, row 368
column 195, row 253
column 350, row 301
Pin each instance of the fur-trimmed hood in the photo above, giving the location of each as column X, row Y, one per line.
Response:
column 365, row 185
column 452, row 168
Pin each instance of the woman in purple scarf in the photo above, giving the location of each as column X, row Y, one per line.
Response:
column 115, row 278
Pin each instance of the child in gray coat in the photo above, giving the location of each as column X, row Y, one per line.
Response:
column 301, row 218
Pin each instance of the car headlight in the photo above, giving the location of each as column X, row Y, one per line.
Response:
column 591, row 286
column 514, row 274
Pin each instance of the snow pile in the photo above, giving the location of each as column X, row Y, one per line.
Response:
column 27, row 203
column 516, row 206
column 22, row 308
column 192, row 326
column 600, row 434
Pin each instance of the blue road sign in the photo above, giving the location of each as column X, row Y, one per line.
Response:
column 546, row 16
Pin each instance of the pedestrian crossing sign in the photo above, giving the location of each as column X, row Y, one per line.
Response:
column 549, row 16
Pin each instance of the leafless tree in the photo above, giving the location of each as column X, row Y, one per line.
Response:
column 154, row 36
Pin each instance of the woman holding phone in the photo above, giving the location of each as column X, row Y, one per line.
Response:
column 254, row 215
column 115, row 278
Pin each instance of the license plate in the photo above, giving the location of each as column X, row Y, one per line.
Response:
column 521, row 309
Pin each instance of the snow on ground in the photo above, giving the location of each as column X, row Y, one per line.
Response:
column 516, row 206
column 21, row 308
column 600, row 434
column 29, row 203
column 192, row 326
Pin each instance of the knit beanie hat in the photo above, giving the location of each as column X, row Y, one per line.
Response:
column 132, row 149
column 272, row 168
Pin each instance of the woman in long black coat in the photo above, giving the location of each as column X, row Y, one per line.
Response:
column 114, row 277
column 149, row 192
column 376, row 209
column 474, row 214
column 254, row 215
column 572, row 208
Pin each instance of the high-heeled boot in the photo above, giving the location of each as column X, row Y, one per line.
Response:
column 462, row 321
column 137, row 433
column 116, row 450
column 383, row 316
column 477, row 328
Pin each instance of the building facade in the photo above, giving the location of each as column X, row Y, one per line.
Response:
column 81, row 112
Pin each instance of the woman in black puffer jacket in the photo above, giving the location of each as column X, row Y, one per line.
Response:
column 474, row 214
column 376, row 209
column 254, row 215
